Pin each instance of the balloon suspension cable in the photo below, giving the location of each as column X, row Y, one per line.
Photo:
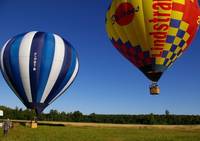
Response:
column 153, row 83
column 36, row 118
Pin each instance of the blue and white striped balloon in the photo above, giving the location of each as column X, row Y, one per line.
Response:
column 38, row 67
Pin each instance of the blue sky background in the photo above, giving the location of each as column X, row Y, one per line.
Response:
column 107, row 83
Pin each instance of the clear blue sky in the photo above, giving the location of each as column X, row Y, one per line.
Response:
column 107, row 82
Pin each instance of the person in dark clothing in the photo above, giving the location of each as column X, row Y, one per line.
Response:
column 6, row 126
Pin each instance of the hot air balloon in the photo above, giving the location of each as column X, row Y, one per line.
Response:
column 152, row 34
column 38, row 67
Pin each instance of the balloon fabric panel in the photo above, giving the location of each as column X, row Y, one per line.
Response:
column 11, row 61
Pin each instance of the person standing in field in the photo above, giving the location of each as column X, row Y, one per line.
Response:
column 6, row 126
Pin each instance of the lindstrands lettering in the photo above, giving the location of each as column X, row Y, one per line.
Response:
column 161, row 17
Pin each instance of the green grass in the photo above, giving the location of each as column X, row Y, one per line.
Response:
column 71, row 133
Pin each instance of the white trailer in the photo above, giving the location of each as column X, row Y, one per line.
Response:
column 1, row 114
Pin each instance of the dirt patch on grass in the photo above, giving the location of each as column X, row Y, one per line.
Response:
column 192, row 127
column 81, row 124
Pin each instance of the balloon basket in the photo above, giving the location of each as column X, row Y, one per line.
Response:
column 32, row 124
column 154, row 89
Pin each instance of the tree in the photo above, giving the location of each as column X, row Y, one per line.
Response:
column 53, row 114
column 167, row 112
column 77, row 115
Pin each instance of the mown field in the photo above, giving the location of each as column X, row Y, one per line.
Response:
column 103, row 133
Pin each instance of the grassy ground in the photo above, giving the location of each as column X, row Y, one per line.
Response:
column 74, row 133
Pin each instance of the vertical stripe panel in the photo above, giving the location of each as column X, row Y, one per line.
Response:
column 69, row 82
column 35, row 61
column 56, row 66
column 65, row 68
column 2, row 63
column 24, row 59
column 46, row 62
column 4, row 72
column 67, row 77
column 11, row 68
column 14, row 64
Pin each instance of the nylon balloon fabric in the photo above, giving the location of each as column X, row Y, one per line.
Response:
column 39, row 67
column 152, row 34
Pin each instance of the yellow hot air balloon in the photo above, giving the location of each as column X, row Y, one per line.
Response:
column 152, row 34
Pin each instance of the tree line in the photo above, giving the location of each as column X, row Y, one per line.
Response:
column 77, row 116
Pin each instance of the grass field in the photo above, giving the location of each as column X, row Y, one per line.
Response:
column 103, row 133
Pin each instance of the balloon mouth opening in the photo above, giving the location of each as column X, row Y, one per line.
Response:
column 153, row 76
column 37, row 107
column 153, row 72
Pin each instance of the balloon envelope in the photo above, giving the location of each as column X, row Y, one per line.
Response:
column 152, row 34
column 38, row 67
